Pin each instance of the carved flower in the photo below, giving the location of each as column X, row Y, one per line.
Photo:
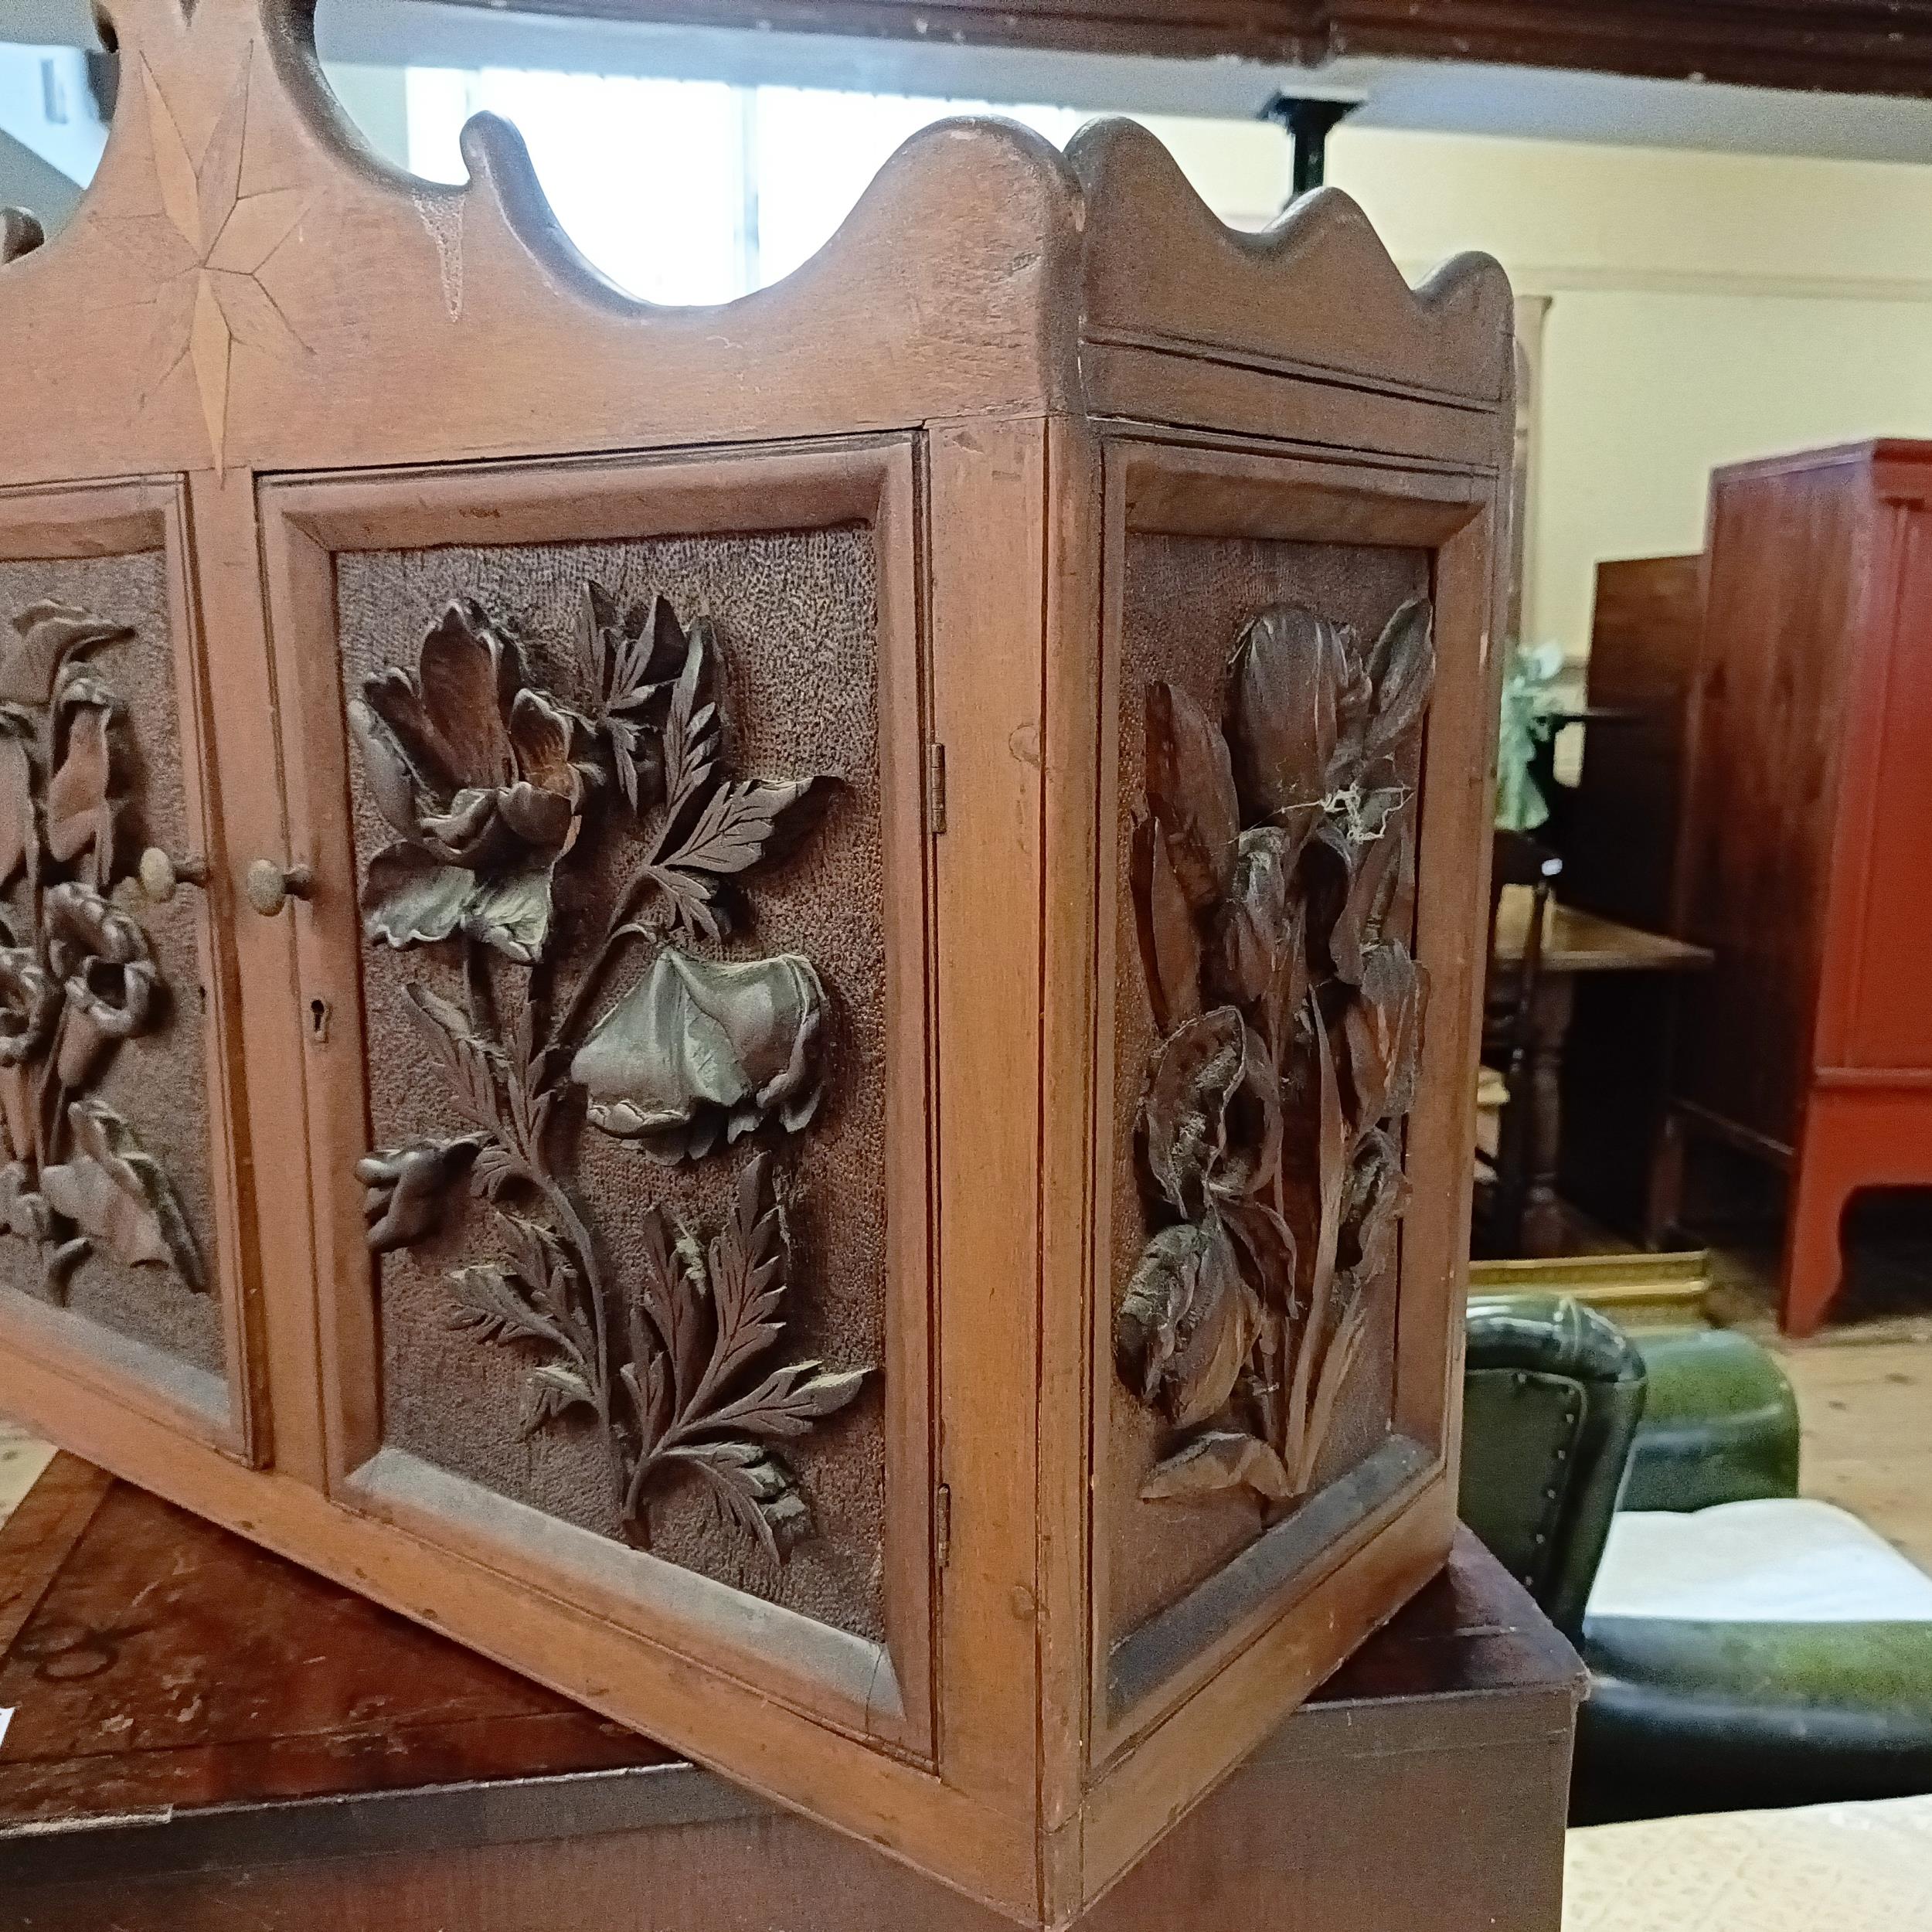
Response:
column 1212, row 1115
column 1383, row 1030
column 1310, row 716
column 118, row 1195
column 473, row 767
column 701, row 1050
column 101, row 958
column 30, row 1004
column 1187, row 1323
column 52, row 635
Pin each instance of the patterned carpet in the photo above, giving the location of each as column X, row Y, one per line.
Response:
column 1832, row 1867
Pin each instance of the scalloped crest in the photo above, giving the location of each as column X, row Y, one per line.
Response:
column 1208, row 286
column 212, row 280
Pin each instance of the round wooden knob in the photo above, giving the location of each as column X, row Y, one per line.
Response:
column 161, row 873
column 269, row 888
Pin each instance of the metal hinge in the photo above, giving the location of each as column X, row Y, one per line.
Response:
column 936, row 785
column 943, row 1525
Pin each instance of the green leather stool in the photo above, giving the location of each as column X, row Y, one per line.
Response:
column 1720, row 1422
column 1563, row 1414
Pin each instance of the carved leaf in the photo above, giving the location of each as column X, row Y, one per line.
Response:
column 118, row 1195
column 742, row 823
column 1402, row 668
column 549, row 1392
column 1187, row 1323
column 1315, row 1163
column 757, row 1490
column 627, row 657
column 1190, row 788
column 1217, row 1461
column 691, row 724
column 1290, row 674
column 1170, row 946
column 670, row 1289
column 494, row 1305
column 788, row 1401
column 746, row 1280
column 80, row 815
column 51, row 634
column 465, row 1059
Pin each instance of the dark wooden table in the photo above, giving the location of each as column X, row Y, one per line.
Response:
column 206, row 1739
column 1577, row 945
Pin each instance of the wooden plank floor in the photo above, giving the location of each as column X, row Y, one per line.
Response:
column 1865, row 1409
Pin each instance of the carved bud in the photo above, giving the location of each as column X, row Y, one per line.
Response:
column 407, row 1189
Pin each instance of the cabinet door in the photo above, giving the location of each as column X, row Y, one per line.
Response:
column 121, row 1244
column 607, row 776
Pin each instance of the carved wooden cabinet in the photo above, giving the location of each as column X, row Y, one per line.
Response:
column 773, row 1007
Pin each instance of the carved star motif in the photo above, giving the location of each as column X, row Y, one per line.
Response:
column 218, row 300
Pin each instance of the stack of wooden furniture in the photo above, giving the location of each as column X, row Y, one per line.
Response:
column 1778, row 793
column 1805, row 864
column 772, row 1009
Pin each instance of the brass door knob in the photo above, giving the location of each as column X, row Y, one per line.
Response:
column 161, row 873
column 269, row 888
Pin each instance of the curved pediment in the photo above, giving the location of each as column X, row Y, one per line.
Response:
column 1317, row 292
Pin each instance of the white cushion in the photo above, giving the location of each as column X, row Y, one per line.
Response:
column 1784, row 1560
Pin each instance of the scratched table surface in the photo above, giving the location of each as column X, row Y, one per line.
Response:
column 209, row 1736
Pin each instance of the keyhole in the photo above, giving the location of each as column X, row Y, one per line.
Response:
column 318, row 1020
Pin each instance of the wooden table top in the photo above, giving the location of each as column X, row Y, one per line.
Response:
column 1580, row 942
column 159, row 1667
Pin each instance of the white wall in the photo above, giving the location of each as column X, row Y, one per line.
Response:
column 1704, row 308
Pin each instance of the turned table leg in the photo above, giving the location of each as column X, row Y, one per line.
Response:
column 1542, row 1225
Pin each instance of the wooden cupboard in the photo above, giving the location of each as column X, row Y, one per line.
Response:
column 771, row 1008
column 1808, row 785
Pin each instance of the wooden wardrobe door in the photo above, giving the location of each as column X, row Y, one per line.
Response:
column 121, row 1237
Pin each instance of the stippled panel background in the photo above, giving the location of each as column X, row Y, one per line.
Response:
column 795, row 616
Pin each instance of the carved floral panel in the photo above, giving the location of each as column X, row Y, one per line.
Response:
column 618, row 834
column 1268, row 1020
column 107, row 1200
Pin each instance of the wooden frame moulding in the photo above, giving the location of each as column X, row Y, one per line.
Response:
column 883, row 1693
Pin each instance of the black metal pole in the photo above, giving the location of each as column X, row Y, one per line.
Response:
column 1307, row 121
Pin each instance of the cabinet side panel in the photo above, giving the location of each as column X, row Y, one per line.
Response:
column 1188, row 600
column 1786, row 559
column 1886, row 1026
